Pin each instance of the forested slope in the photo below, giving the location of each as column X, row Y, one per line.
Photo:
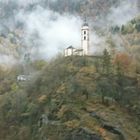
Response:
column 72, row 98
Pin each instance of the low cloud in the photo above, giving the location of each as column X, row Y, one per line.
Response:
column 46, row 33
column 49, row 32
column 123, row 13
column 7, row 60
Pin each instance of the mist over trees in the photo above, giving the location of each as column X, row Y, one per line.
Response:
column 101, row 15
column 76, row 97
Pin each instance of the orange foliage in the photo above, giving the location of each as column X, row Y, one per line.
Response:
column 123, row 59
column 104, row 134
column 102, row 131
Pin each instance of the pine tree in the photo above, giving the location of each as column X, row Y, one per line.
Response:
column 106, row 62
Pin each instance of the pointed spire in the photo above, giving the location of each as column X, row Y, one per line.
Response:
column 85, row 22
column 85, row 19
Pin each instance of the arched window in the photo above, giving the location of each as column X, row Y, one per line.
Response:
column 84, row 37
column 84, row 32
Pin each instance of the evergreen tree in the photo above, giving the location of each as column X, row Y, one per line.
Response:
column 106, row 62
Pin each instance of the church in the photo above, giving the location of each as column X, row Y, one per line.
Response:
column 84, row 50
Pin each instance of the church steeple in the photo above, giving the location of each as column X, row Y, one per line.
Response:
column 85, row 48
column 85, row 38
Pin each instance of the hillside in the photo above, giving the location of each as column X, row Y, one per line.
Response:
column 69, row 98
column 132, row 35
column 76, row 106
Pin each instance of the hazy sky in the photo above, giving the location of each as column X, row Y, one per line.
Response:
column 47, row 32
column 124, row 12
column 55, row 32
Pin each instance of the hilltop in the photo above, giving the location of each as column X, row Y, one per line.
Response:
column 17, row 38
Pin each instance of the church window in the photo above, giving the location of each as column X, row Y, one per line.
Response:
column 84, row 37
column 84, row 32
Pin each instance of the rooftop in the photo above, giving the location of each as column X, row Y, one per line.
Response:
column 78, row 50
column 70, row 47
column 85, row 24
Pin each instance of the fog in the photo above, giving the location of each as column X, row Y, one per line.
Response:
column 47, row 33
column 126, row 11
column 55, row 32
column 7, row 60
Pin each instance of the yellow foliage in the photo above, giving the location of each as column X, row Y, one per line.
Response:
column 90, row 123
column 72, row 124
column 72, row 68
column 14, row 87
column 42, row 99
column 62, row 88
column 88, row 70
column 62, row 111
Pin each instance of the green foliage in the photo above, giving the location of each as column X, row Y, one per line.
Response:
column 106, row 64
column 111, row 42
column 39, row 64
column 131, row 27
column 137, row 27
column 14, row 87
column 115, row 29
column 60, row 92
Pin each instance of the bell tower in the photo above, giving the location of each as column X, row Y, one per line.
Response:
column 85, row 38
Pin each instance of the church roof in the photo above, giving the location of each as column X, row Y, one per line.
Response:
column 85, row 24
column 70, row 47
column 78, row 50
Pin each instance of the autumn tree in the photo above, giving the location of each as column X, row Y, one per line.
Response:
column 122, row 62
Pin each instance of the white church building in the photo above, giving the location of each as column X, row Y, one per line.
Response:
column 84, row 50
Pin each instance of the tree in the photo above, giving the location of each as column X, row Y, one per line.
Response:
column 122, row 62
column 115, row 29
column 106, row 62
column 138, row 27
column 123, row 31
column 128, row 28
column 106, row 87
